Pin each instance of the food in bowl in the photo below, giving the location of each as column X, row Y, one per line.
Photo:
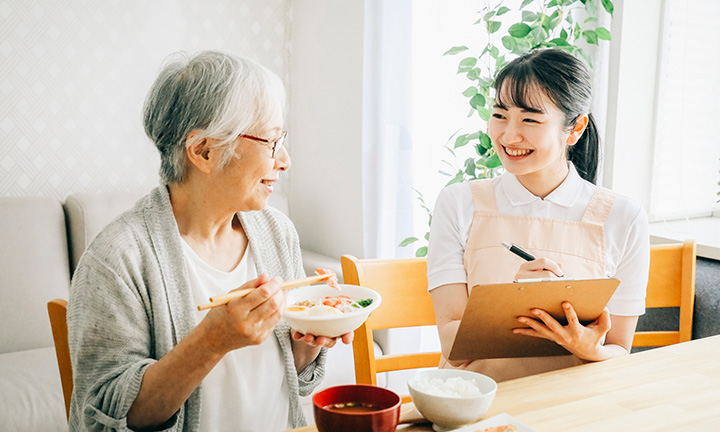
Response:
column 449, row 387
column 450, row 403
column 356, row 408
column 330, row 305
column 319, row 310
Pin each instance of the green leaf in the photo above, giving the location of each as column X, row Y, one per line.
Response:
column 427, row 236
column 461, row 141
column 421, row 252
column 493, row 161
column 503, row 10
column 559, row 42
column 529, row 16
column 488, row 15
column 457, row 179
column 477, row 101
column 523, row 46
column 602, row 33
column 467, row 64
column 552, row 4
column 473, row 73
column 591, row 8
column 494, row 51
column 470, row 91
column 485, row 141
column 538, row 34
column 470, row 166
column 608, row 6
column 590, row 37
column 563, row 34
column 493, row 26
column 456, row 49
column 519, row 30
column 525, row 3
column 484, row 113
column 408, row 241
column 509, row 43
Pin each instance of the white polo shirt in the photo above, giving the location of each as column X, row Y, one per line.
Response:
column 627, row 239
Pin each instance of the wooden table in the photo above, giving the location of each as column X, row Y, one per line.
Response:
column 671, row 388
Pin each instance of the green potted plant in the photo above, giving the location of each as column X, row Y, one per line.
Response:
column 570, row 25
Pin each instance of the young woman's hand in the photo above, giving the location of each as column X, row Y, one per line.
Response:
column 583, row 341
column 539, row 268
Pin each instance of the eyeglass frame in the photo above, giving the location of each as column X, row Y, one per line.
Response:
column 273, row 145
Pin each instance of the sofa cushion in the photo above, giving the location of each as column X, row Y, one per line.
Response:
column 88, row 213
column 33, row 270
column 31, row 397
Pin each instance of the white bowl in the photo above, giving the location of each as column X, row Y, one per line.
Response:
column 447, row 412
column 330, row 326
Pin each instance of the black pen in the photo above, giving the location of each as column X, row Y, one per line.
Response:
column 517, row 250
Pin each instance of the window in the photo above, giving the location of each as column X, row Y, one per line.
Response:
column 686, row 159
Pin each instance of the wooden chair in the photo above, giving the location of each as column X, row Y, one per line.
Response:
column 57, row 311
column 402, row 284
column 671, row 284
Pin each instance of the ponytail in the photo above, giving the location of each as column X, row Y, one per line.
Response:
column 585, row 154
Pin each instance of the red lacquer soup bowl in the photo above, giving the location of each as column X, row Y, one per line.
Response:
column 356, row 408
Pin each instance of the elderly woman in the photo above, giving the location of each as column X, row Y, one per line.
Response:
column 143, row 356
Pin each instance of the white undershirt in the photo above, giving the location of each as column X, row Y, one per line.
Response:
column 247, row 389
column 627, row 240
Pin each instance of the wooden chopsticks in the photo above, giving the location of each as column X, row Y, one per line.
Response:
column 222, row 299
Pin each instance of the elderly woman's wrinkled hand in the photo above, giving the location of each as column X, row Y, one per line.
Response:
column 322, row 341
column 248, row 320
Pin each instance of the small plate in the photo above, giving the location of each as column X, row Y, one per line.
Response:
column 498, row 420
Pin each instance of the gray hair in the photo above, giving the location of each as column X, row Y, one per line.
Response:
column 220, row 95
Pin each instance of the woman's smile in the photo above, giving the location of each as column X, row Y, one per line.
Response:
column 515, row 153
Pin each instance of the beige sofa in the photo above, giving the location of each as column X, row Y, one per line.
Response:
column 41, row 241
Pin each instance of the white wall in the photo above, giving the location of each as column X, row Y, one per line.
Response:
column 326, row 84
column 74, row 74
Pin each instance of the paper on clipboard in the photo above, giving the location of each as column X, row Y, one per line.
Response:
column 492, row 310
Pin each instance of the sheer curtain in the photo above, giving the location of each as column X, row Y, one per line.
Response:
column 387, row 114
column 686, row 162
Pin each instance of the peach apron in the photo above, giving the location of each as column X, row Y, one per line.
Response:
column 579, row 246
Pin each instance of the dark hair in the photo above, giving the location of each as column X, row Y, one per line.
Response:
column 565, row 80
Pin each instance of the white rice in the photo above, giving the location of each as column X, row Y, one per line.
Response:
column 450, row 387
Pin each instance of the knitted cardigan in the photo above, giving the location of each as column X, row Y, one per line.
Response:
column 130, row 304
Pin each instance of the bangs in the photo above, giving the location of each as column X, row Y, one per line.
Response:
column 520, row 88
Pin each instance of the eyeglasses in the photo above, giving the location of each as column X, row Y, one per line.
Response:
column 274, row 144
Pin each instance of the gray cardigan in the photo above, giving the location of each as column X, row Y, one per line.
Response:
column 130, row 304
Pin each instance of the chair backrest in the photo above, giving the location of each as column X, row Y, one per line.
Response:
column 402, row 284
column 57, row 311
column 671, row 283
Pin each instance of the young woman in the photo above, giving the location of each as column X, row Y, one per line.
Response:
column 546, row 201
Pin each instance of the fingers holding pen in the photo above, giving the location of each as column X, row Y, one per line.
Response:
column 539, row 268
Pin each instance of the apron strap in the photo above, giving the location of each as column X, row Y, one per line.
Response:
column 599, row 207
column 483, row 194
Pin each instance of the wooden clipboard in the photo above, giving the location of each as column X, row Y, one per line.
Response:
column 492, row 310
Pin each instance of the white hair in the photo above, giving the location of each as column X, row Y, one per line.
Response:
column 217, row 94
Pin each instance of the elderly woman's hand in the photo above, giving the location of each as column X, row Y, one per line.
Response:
column 246, row 321
column 322, row 341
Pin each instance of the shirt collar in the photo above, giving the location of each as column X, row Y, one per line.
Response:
column 564, row 195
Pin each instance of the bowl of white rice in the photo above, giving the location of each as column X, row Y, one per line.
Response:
column 451, row 398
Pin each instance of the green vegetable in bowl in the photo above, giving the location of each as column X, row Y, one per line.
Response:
column 362, row 303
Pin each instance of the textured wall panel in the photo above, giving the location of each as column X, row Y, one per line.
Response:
column 74, row 74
